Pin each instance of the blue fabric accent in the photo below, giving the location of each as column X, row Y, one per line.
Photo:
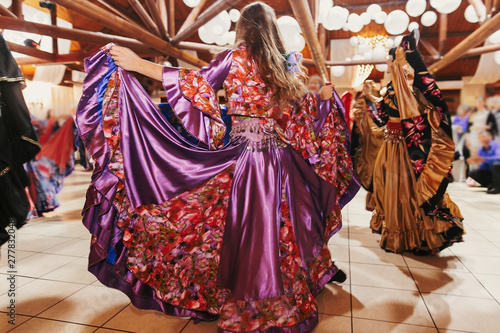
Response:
column 111, row 258
column 101, row 89
column 167, row 112
column 226, row 118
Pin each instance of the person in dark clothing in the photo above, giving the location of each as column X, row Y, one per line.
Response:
column 18, row 144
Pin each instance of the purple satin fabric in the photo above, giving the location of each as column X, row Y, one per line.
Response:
column 163, row 164
column 159, row 164
column 194, row 120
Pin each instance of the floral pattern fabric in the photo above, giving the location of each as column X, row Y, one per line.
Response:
column 174, row 247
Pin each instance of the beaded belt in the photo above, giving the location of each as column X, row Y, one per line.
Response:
column 258, row 137
column 393, row 132
column 4, row 171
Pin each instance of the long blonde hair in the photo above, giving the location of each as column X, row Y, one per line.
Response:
column 258, row 30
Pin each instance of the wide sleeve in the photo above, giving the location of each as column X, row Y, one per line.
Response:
column 192, row 95
column 318, row 131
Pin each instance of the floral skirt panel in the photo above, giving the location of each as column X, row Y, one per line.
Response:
column 237, row 235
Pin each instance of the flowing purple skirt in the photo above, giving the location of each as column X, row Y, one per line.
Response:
column 236, row 234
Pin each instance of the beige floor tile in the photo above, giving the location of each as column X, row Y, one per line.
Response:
column 449, row 283
column 364, row 240
column 38, row 295
column 75, row 271
column 18, row 255
column 335, row 300
column 5, row 326
column 201, row 327
column 397, row 306
column 444, row 260
column 145, row 321
column 330, row 324
column 374, row 326
column 339, row 252
column 77, row 247
column 40, row 264
column 481, row 264
column 477, row 248
column 6, row 284
column 463, row 313
column 491, row 283
column 38, row 243
column 91, row 305
column 107, row 330
column 340, row 238
column 44, row 325
column 382, row 276
column 375, row 255
column 492, row 236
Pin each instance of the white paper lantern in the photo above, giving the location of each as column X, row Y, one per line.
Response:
column 324, row 7
column 397, row 22
column 416, row 8
column 381, row 18
column 335, row 18
column 288, row 23
column 354, row 41
column 445, row 6
column 495, row 37
column 365, row 18
column 381, row 67
column 470, row 14
column 230, row 37
column 192, row 3
column 358, row 57
column 354, row 22
column 205, row 35
column 362, row 48
column 234, row 15
column 413, row 26
column 6, row 3
column 379, row 52
column 428, row 19
column 348, row 59
column 368, row 55
column 389, row 43
column 345, row 27
column 497, row 57
column 373, row 10
column 297, row 44
column 338, row 71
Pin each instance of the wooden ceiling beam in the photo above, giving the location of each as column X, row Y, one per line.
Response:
column 443, row 30
column 122, row 27
column 157, row 18
column 17, row 8
column 31, row 51
column 143, row 14
column 206, row 16
column 5, row 11
column 193, row 15
column 303, row 15
column 430, row 48
column 118, row 10
column 25, row 61
column 162, row 9
column 171, row 17
column 73, row 34
column 468, row 43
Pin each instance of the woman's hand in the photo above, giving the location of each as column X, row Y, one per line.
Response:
column 125, row 58
column 326, row 92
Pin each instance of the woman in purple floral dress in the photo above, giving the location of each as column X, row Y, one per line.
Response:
column 234, row 232
column 408, row 165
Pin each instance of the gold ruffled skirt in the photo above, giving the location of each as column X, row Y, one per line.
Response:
column 397, row 216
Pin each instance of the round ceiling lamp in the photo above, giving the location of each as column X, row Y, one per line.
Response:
column 413, row 26
column 445, row 6
column 428, row 19
column 416, row 8
column 373, row 10
column 234, row 15
column 381, row 18
column 338, row 71
column 397, row 22
column 335, row 18
column 191, row 3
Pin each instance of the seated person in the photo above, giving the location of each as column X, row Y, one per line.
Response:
column 488, row 174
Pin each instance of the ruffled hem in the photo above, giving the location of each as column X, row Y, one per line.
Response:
column 422, row 239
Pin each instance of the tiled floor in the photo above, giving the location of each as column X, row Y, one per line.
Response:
column 456, row 291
